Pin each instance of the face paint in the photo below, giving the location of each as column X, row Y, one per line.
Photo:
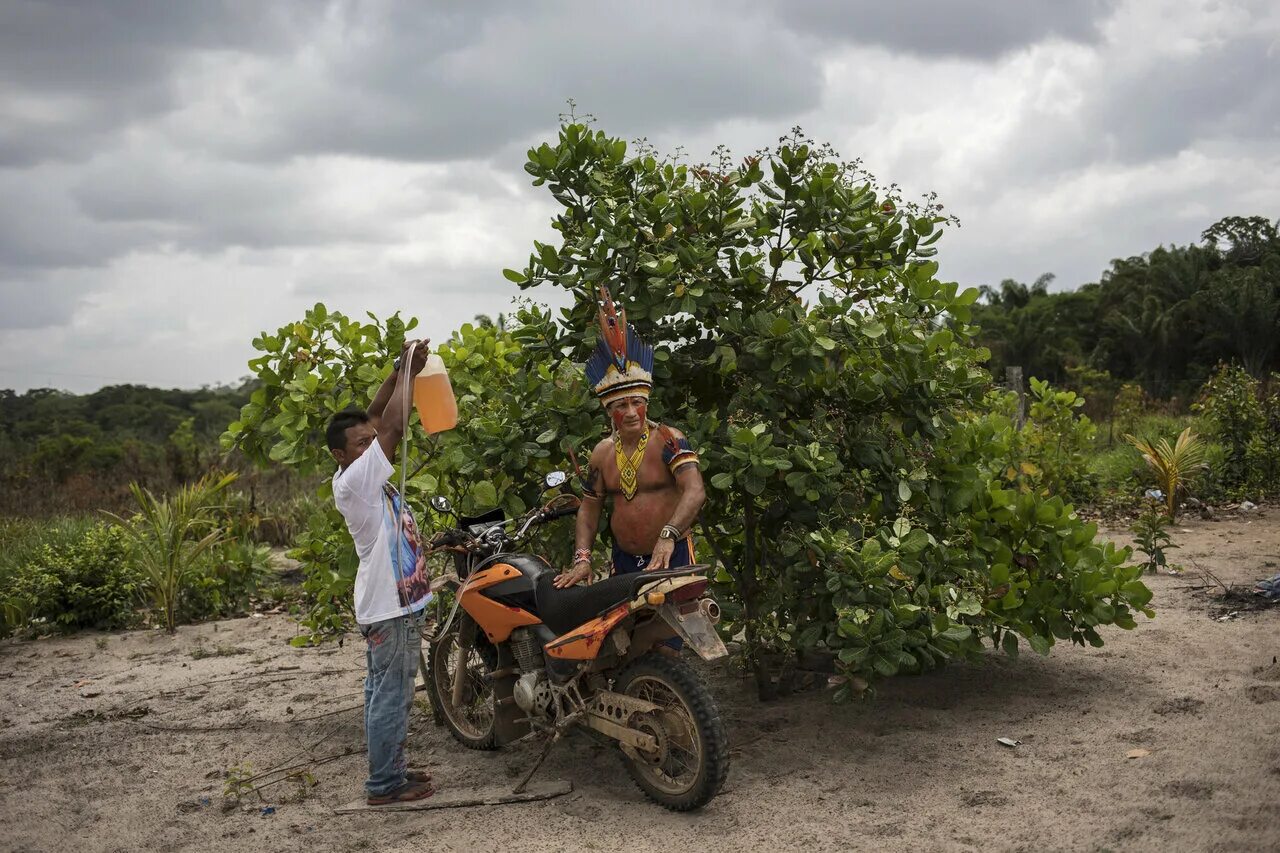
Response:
column 619, row 412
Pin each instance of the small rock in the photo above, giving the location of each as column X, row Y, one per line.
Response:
column 1137, row 753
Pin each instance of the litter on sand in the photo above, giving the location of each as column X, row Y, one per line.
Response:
column 1008, row 741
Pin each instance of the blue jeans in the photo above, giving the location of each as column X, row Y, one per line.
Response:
column 391, row 656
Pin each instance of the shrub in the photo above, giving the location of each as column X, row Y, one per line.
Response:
column 1173, row 465
column 225, row 581
column 1057, row 439
column 82, row 581
column 171, row 536
column 1229, row 404
column 1152, row 538
column 805, row 344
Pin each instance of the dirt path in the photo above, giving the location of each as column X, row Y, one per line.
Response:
column 121, row 742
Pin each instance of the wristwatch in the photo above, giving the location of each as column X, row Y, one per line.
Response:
column 669, row 532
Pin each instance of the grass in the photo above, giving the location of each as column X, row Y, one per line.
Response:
column 21, row 539
column 1122, row 476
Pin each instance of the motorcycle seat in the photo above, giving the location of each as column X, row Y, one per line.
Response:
column 562, row 610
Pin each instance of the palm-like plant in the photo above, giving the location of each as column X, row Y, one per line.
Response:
column 171, row 535
column 1173, row 466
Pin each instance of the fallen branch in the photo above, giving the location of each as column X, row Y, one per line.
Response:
column 181, row 728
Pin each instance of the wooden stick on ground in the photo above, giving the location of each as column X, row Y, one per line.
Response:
column 463, row 797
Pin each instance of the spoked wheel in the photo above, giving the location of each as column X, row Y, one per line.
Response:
column 691, row 760
column 472, row 720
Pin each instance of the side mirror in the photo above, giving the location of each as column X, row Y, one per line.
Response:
column 556, row 479
column 441, row 504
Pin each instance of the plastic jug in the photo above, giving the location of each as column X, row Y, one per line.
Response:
column 433, row 397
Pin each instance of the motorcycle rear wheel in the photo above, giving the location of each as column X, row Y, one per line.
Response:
column 692, row 759
column 473, row 723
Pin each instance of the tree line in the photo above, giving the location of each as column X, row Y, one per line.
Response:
column 62, row 452
column 1163, row 319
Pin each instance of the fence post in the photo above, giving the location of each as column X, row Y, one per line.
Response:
column 1013, row 379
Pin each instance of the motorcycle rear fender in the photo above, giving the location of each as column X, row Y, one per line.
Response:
column 693, row 626
column 666, row 586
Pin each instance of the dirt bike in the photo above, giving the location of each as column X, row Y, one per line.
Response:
column 525, row 659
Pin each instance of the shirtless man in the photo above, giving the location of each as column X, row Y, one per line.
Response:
column 648, row 470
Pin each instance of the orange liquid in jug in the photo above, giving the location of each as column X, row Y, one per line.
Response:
column 433, row 398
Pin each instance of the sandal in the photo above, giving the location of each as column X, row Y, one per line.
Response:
column 406, row 793
column 417, row 776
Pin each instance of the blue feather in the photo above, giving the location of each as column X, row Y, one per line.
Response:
column 638, row 351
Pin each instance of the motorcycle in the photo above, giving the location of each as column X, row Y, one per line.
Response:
column 518, row 657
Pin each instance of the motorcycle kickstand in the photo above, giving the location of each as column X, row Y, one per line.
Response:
column 542, row 756
column 546, row 749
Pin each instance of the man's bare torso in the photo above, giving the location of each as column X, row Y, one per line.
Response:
column 636, row 523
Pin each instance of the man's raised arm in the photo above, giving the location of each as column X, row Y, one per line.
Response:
column 387, row 408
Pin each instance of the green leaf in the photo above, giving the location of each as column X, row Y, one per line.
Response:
column 904, row 491
column 484, row 494
column 723, row 480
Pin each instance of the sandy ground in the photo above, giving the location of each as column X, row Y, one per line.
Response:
column 122, row 742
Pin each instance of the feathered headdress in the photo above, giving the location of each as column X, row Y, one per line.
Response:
column 622, row 365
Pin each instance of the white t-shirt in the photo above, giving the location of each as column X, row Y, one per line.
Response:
column 387, row 585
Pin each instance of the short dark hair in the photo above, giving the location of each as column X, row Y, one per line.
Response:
column 336, row 434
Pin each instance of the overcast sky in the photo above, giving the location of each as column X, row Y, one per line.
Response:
column 176, row 177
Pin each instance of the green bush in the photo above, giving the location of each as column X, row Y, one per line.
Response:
column 226, row 581
column 856, row 506
column 85, row 581
column 1151, row 534
column 171, row 538
column 1120, row 476
column 1057, row 440
column 1229, row 404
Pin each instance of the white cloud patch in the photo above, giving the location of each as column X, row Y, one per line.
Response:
column 178, row 177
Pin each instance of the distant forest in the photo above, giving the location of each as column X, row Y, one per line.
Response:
column 1163, row 320
column 73, row 452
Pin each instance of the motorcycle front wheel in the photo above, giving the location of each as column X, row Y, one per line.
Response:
column 691, row 760
column 471, row 722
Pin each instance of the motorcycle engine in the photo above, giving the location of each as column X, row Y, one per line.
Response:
column 527, row 650
column 533, row 694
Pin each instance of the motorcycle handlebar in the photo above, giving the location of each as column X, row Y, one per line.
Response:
column 458, row 538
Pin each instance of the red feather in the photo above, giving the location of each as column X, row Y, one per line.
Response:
column 613, row 327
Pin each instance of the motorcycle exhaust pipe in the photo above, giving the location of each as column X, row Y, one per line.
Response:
column 710, row 609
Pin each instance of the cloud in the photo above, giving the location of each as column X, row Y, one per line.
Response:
column 973, row 29
column 433, row 82
column 76, row 72
column 180, row 176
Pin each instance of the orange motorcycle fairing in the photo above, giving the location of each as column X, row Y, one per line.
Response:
column 585, row 641
column 496, row 619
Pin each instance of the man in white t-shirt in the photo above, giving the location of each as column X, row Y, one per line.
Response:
column 392, row 584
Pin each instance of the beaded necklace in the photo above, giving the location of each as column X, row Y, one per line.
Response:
column 629, row 466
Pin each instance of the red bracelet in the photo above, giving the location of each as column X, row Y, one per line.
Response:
column 582, row 555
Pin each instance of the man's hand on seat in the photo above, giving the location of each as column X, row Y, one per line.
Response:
column 661, row 558
column 578, row 574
